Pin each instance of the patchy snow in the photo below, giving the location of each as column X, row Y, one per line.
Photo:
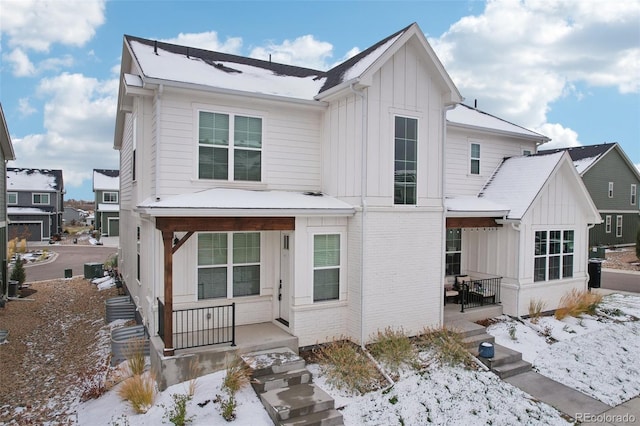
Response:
column 468, row 116
column 475, row 204
column 364, row 63
column 31, row 180
column 174, row 67
column 109, row 207
column 584, row 163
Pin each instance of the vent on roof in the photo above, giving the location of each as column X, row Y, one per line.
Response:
column 314, row 193
column 221, row 66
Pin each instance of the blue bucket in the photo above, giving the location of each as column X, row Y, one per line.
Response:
column 485, row 350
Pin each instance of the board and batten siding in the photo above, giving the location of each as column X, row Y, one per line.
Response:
column 290, row 153
column 493, row 149
column 402, row 87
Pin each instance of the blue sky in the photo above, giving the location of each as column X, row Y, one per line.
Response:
column 567, row 69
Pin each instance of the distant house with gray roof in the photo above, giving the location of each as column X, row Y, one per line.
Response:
column 106, row 188
column 6, row 153
column 35, row 199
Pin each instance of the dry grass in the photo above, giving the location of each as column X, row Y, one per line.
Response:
column 446, row 345
column 134, row 351
column 139, row 391
column 536, row 307
column 238, row 375
column 346, row 367
column 394, row 350
column 576, row 303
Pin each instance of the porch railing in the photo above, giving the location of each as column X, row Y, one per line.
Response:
column 479, row 292
column 197, row 327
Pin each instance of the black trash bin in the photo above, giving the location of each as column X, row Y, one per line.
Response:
column 13, row 288
column 595, row 272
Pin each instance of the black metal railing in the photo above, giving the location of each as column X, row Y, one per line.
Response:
column 195, row 327
column 479, row 292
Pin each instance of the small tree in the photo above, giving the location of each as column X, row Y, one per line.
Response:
column 18, row 273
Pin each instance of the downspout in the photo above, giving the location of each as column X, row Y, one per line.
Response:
column 363, row 203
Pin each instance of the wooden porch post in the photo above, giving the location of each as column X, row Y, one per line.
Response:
column 167, row 239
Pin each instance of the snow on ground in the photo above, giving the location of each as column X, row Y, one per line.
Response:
column 594, row 354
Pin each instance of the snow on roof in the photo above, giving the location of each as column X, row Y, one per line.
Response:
column 518, row 181
column 108, row 207
column 223, row 201
column 365, row 62
column 26, row 210
column 468, row 116
column 474, row 206
column 33, row 179
column 167, row 65
column 584, row 163
column 106, row 180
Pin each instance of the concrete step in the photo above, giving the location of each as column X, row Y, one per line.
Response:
column 473, row 342
column 466, row 328
column 299, row 400
column 324, row 418
column 273, row 361
column 512, row 369
column 502, row 356
column 280, row 380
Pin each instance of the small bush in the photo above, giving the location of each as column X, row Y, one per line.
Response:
column 447, row 346
column 178, row 413
column 511, row 328
column 394, row 350
column 227, row 407
column 238, row 375
column 134, row 351
column 18, row 273
column 139, row 391
column 536, row 307
column 576, row 302
column 346, row 367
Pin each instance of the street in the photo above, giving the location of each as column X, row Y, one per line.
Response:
column 69, row 257
column 613, row 279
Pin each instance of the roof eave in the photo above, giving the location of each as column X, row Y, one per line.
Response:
column 540, row 139
column 238, row 212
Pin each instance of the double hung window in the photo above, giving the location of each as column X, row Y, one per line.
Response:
column 229, row 147
column 40, row 198
column 474, row 159
column 453, row 251
column 326, row 267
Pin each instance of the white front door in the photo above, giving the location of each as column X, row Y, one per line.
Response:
column 286, row 266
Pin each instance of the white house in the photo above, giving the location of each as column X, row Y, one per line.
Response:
column 310, row 200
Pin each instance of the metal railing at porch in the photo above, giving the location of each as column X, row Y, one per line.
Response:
column 479, row 292
column 197, row 327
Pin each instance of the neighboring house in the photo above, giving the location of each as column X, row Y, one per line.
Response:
column 510, row 214
column 35, row 199
column 6, row 154
column 106, row 187
column 315, row 201
column 613, row 183
column 73, row 215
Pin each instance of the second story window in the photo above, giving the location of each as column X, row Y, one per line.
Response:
column 406, row 160
column 229, row 147
column 634, row 194
column 12, row 198
column 40, row 198
column 475, row 159
column 610, row 190
column 110, row 197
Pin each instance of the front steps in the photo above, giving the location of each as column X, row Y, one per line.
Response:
column 505, row 362
column 285, row 388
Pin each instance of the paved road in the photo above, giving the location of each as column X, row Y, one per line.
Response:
column 613, row 279
column 68, row 257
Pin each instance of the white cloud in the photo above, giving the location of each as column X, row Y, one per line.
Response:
column 78, row 118
column 25, row 108
column 208, row 41
column 37, row 24
column 304, row 51
column 518, row 57
column 561, row 137
column 20, row 63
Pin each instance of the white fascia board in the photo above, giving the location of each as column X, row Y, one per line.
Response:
column 197, row 212
column 477, row 213
column 539, row 139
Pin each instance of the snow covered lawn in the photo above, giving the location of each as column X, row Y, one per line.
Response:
column 595, row 354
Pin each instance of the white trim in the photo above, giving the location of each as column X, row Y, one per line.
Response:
column 471, row 158
column 12, row 193
column 607, row 225
column 610, row 190
column 633, row 196
column 342, row 288
column 33, row 201
column 619, row 226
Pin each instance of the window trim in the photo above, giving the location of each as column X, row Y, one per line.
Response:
column 40, row 194
column 104, row 200
column 230, row 265
column 472, row 158
column 610, row 190
column 405, row 184
column 453, row 252
column 633, row 197
column 561, row 254
column 607, row 224
column 619, row 226
column 231, row 148
column 342, row 266
column 9, row 194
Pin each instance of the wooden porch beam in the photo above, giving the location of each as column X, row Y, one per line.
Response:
column 167, row 239
column 224, row 224
column 472, row 222
column 181, row 242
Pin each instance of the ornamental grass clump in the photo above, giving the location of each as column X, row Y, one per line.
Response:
column 536, row 306
column 446, row 345
column 346, row 367
column 238, row 375
column 394, row 350
column 578, row 302
column 139, row 391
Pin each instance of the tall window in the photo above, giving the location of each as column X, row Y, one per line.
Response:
column 228, row 264
column 40, row 198
column 326, row 267
column 610, row 193
column 12, row 198
column 230, row 147
column 138, row 253
column 406, row 160
column 453, row 251
column 619, row 226
column 634, row 194
column 553, row 255
column 607, row 224
column 110, row 197
column 475, row 159
column 134, row 143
